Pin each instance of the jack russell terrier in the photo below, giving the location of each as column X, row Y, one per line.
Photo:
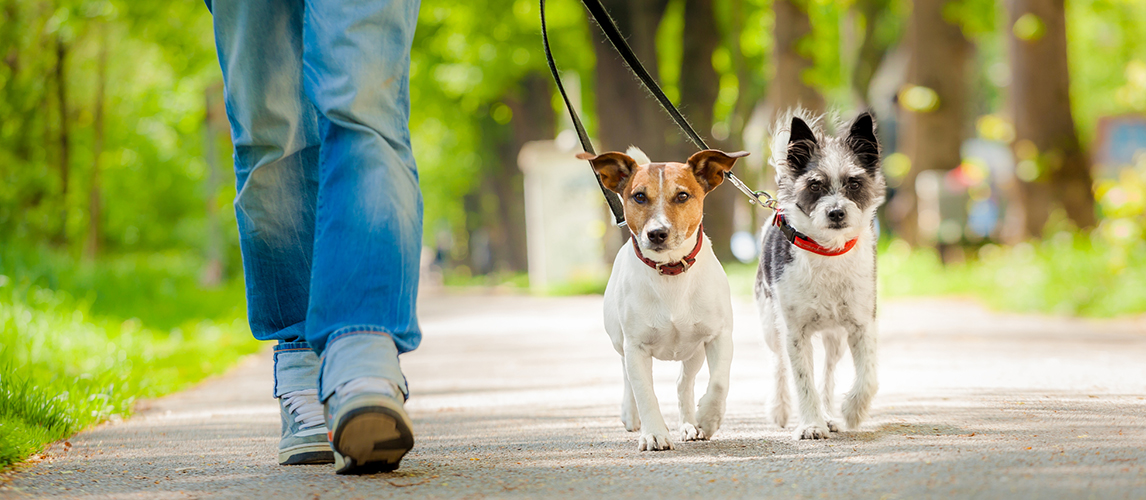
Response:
column 817, row 266
column 668, row 296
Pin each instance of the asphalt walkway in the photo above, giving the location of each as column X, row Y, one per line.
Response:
column 519, row 397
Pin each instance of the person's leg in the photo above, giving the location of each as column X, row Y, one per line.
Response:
column 275, row 133
column 369, row 221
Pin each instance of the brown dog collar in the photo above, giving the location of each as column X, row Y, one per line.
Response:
column 672, row 268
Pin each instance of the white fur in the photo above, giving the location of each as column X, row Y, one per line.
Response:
column 637, row 155
column 688, row 318
column 832, row 296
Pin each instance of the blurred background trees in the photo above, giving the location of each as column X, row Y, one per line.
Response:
column 1001, row 120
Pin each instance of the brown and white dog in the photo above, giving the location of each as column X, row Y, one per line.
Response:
column 668, row 296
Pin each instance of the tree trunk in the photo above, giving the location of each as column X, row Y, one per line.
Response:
column 1040, row 99
column 92, row 244
column 699, row 87
column 752, row 88
column 789, row 87
column 216, row 126
column 62, row 97
column 533, row 120
column 930, row 135
column 626, row 115
column 872, row 50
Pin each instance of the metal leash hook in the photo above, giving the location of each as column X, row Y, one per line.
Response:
column 753, row 196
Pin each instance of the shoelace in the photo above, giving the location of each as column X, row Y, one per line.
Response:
column 367, row 384
column 304, row 404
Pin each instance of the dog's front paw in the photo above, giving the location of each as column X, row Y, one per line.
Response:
column 655, row 441
column 689, row 432
column 810, row 431
column 832, row 426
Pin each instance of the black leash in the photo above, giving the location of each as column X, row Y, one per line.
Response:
column 612, row 198
column 613, row 34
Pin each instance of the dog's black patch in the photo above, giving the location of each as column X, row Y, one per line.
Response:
column 801, row 146
column 863, row 142
column 775, row 255
column 807, row 197
column 856, row 189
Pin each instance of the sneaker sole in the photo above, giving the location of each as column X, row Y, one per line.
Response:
column 371, row 439
column 309, row 453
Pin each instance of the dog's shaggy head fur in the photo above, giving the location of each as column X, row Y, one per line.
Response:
column 829, row 185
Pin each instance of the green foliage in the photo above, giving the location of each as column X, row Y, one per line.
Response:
column 467, row 58
column 1067, row 274
column 824, row 48
column 160, row 61
column 79, row 344
column 1105, row 40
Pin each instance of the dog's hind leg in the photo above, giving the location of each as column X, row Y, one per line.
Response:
column 781, row 395
column 686, row 399
column 629, row 414
column 857, row 402
column 833, row 351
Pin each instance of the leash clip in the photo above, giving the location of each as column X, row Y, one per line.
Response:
column 754, row 196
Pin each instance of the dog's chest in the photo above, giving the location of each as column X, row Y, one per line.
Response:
column 672, row 318
column 830, row 290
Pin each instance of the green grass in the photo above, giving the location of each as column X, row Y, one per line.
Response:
column 80, row 343
column 1064, row 275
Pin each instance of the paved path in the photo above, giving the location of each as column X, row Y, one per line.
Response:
column 519, row 397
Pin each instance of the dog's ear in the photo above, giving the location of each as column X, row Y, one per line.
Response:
column 863, row 142
column 710, row 165
column 614, row 169
column 801, row 144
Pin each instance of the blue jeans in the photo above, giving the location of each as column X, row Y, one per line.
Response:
column 328, row 206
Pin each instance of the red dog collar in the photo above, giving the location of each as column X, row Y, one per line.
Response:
column 800, row 240
column 674, row 268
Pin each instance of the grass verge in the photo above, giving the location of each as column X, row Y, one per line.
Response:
column 1066, row 274
column 79, row 343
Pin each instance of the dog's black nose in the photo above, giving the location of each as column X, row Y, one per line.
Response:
column 658, row 236
column 836, row 214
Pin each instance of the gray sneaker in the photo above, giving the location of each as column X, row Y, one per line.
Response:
column 305, row 437
column 370, row 429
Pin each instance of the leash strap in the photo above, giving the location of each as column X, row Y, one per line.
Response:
column 613, row 34
column 609, row 27
column 611, row 198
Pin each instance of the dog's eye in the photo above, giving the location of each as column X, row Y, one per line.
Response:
column 815, row 186
column 640, row 198
column 682, row 197
column 854, row 184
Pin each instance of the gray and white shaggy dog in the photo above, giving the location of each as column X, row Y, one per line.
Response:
column 818, row 266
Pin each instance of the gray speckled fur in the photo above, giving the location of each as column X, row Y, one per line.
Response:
column 802, row 294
